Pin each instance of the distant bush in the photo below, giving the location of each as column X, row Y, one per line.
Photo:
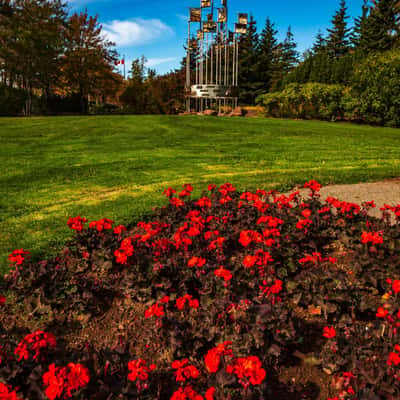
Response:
column 104, row 109
column 373, row 98
column 11, row 100
column 376, row 89
column 310, row 100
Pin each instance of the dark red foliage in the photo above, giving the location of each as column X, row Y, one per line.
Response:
column 228, row 288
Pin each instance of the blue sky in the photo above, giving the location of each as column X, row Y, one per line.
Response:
column 157, row 28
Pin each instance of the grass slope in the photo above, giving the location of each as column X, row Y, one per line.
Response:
column 117, row 167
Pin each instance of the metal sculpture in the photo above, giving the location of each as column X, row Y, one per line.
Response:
column 212, row 63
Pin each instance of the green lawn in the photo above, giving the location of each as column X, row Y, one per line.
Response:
column 117, row 167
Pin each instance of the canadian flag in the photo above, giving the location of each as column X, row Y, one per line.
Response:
column 120, row 62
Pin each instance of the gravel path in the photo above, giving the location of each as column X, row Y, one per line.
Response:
column 385, row 192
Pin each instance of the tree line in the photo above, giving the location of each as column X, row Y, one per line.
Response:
column 361, row 61
column 53, row 62
column 48, row 57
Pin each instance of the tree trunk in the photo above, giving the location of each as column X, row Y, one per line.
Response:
column 83, row 101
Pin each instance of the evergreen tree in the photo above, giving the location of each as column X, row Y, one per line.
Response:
column 382, row 27
column 320, row 44
column 289, row 53
column 248, row 56
column 268, row 57
column 357, row 36
column 338, row 38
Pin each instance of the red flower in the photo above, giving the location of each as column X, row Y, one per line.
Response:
column 34, row 343
column 249, row 370
column 193, row 231
column 187, row 190
column 102, row 224
column 177, row 202
column 217, row 243
column 210, row 393
column 119, row 229
column 329, row 332
column 77, row 377
column 313, row 185
column 164, row 300
column 6, row 393
column 76, row 223
column 2, row 300
column 213, row 357
column 184, row 371
column 155, row 310
column 394, row 358
column 272, row 222
column 62, row 381
column 226, row 188
column 187, row 393
column 272, row 290
column 211, row 187
column 249, row 261
column 246, row 237
column 371, row 237
column 314, row 259
column 169, row 192
column 306, row 213
column 303, row 223
column 125, row 250
column 139, row 370
column 197, row 261
column 223, row 273
column 181, row 301
column 18, row 256
column 382, row 313
column 204, row 202
column 396, row 286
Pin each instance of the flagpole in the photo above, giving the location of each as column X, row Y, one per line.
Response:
column 124, row 67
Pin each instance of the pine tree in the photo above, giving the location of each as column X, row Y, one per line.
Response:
column 357, row 36
column 338, row 39
column 268, row 57
column 320, row 44
column 248, row 51
column 382, row 27
column 289, row 53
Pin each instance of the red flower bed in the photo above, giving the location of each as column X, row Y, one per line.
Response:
column 213, row 299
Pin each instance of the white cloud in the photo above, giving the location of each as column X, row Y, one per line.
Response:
column 153, row 62
column 183, row 18
column 136, row 31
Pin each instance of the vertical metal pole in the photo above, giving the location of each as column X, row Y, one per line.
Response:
column 212, row 59
column 201, row 71
column 207, row 59
column 237, row 69
column 217, row 55
column 188, row 70
column 234, row 61
column 220, row 61
column 124, row 67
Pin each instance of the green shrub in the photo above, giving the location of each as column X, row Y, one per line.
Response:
column 310, row 100
column 376, row 88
